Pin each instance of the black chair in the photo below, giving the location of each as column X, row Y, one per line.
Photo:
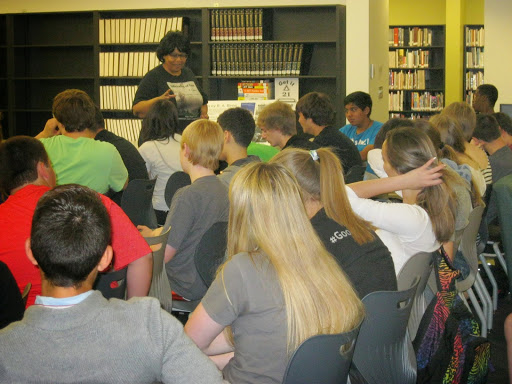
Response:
column 137, row 202
column 211, row 251
column 177, row 180
column 322, row 359
column 104, row 283
column 355, row 174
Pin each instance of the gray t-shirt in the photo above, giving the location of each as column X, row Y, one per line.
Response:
column 194, row 209
column 501, row 163
column 247, row 296
column 228, row 173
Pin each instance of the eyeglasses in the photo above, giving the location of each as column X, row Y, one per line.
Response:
column 178, row 55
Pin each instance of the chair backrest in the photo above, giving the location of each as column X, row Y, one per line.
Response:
column 468, row 248
column 384, row 352
column 137, row 202
column 421, row 264
column 160, row 287
column 211, row 251
column 503, row 191
column 26, row 291
column 112, row 284
column 322, row 359
column 355, row 174
column 176, row 181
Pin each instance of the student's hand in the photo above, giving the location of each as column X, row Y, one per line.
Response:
column 51, row 128
column 145, row 231
column 424, row 176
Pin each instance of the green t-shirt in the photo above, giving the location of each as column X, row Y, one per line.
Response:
column 263, row 151
column 84, row 161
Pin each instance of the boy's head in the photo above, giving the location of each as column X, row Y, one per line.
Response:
column 485, row 97
column 487, row 129
column 23, row 160
column 358, row 107
column 70, row 235
column 317, row 107
column 240, row 125
column 277, row 120
column 75, row 110
column 201, row 144
column 504, row 121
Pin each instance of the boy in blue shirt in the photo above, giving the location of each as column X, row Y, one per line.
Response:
column 361, row 129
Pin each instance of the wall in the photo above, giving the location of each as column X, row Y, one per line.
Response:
column 498, row 54
column 357, row 20
column 378, row 84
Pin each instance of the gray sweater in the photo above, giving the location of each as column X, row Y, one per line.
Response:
column 100, row 341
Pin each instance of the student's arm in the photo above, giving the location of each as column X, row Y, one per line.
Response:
column 416, row 179
column 170, row 252
column 51, row 128
column 364, row 152
column 138, row 276
column 204, row 111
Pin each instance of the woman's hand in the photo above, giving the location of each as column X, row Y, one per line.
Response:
column 423, row 176
column 168, row 95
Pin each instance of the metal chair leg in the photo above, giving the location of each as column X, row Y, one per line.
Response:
column 494, row 284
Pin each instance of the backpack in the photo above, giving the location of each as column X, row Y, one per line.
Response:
column 448, row 346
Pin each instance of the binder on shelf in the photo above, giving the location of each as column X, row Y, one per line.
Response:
column 251, row 90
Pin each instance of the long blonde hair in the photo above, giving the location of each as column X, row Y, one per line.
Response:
column 267, row 218
column 322, row 180
column 408, row 149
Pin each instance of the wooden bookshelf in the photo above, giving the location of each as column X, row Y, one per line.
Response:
column 42, row 54
column 474, row 44
column 416, row 70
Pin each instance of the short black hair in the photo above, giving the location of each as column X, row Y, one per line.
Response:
column 70, row 232
column 504, row 121
column 160, row 123
column 74, row 109
column 360, row 99
column 490, row 92
column 19, row 156
column 171, row 41
column 240, row 123
column 487, row 128
column 316, row 106
column 388, row 126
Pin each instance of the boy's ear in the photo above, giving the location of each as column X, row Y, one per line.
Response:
column 106, row 259
column 186, row 150
column 28, row 251
column 227, row 137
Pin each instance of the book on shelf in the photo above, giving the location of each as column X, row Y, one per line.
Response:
column 127, row 128
column 127, row 64
column 475, row 57
column 236, row 24
column 256, row 59
column 474, row 80
column 416, row 101
column 414, row 79
column 139, row 30
column 409, row 58
column 255, row 90
column 117, row 97
column 475, row 36
column 414, row 36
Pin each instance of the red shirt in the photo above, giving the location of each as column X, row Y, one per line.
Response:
column 15, row 223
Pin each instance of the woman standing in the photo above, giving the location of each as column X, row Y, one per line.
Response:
column 278, row 287
column 172, row 80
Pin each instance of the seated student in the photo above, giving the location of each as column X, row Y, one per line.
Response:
column 194, row 208
column 426, row 218
column 26, row 174
column 485, row 98
column 487, row 135
column 11, row 303
column 360, row 128
column 75, row 155
column 278, row 126
column 132, row 159
column 278, row 287
column 453, row 141
column 350, row 239
column 466, row 116
column 316, row 114
column 238, row 126
column 505, row 123
column 160, row 149
column 76, row 335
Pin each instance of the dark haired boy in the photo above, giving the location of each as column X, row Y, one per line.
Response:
column 76, row 157
column 26, row 174
column 505, row 123
column 361, row 129
column 74, row 332
column 316, row 114
column 484, row 98
column 172, row 80
column 238, row 126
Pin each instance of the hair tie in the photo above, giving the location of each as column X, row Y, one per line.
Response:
column 441, row 146
column 313, row 154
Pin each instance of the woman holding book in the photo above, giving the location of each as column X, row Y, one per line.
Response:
column 174, row 81
column 278, row 287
